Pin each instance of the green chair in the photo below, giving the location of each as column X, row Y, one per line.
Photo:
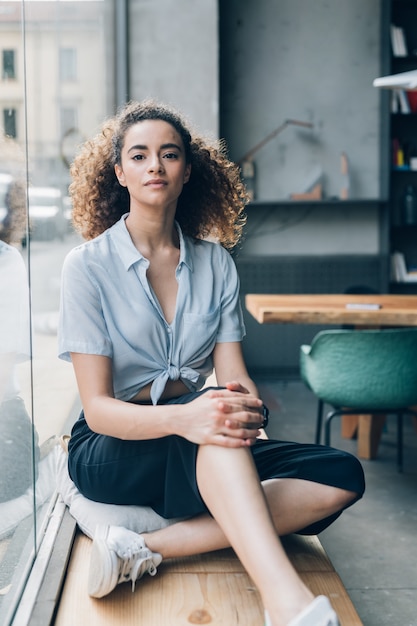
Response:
column 362, row 372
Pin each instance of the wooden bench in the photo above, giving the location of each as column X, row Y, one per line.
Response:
column 210, row 589
column 207, row 589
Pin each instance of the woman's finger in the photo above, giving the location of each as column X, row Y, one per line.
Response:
column 235, row 386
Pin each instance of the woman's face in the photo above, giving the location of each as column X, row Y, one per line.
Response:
column 153, row 166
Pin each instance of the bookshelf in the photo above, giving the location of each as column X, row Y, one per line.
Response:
column 403, row 140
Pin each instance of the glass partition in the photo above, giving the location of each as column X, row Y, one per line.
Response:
column 56, row 86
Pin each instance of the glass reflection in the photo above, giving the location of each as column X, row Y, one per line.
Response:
column 56, row 86
column 19, row 451
column 19, row 444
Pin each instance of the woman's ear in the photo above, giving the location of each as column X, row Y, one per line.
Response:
column 120, row 175
column 187, row 173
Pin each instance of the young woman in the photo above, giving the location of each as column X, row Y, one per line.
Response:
column 150, row 304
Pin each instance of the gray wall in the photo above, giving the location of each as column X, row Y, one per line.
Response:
column 174, row 57
column 277, row 59
column 292, row 229
column 314, row 61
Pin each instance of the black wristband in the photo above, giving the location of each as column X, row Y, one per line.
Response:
column 265, row 413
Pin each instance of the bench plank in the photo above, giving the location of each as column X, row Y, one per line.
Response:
column 206, row 589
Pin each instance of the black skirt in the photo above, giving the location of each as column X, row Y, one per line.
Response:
column 161, row 473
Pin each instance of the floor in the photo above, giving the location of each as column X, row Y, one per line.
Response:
column 373, row 545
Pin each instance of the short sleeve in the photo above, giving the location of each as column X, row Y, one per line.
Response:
column 232, row 327
column 82, row 327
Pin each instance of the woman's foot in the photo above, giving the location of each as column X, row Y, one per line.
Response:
column 117, row 556
column 317, row 613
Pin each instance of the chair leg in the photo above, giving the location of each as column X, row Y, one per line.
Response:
column 329, row 418
column 327, row 429
column 369, row 434
column 350, row 426
column 400, row 442
column 319, row 421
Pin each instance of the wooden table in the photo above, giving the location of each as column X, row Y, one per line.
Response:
column 358, row 310
column 361, row 311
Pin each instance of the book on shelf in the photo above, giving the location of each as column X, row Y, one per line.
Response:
column 400, row 102
column 395, row 104
column 399, row 272
column 403, row 100
column 402, row 42
column 398, row 43
column 398, row 162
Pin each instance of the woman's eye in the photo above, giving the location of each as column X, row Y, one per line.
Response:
column 171, row 155
column 138, row 157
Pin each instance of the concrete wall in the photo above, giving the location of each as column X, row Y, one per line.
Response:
column 174, row 57
column 312, row 230
column 276, row 59
column 314, row 61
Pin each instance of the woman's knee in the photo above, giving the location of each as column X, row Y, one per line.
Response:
column 345, row 498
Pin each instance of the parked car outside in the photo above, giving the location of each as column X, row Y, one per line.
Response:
column 46, row 213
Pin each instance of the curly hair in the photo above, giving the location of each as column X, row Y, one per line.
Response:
column 211, row 204
column 13, row 228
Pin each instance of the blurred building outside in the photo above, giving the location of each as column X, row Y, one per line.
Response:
column 62, row 94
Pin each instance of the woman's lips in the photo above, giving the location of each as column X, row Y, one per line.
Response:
column 155, row 182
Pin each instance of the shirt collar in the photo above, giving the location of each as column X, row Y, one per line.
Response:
column 129, row 254
column 185, row 251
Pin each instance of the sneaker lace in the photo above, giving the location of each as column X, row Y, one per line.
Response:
column 135, row 565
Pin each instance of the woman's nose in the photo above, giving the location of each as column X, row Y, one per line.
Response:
column 155, row 164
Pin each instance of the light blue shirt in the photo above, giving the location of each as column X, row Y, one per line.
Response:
column 108, row 308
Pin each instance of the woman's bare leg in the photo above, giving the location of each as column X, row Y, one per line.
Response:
column 231, row 490
column 294, row 504
column 229, row 485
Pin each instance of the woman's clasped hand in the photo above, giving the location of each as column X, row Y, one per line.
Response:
column 223, row 417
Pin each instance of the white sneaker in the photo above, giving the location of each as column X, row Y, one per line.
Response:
column 318, row 613
column 118, row 555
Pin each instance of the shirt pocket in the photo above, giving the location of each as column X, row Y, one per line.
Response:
column 199, row 335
